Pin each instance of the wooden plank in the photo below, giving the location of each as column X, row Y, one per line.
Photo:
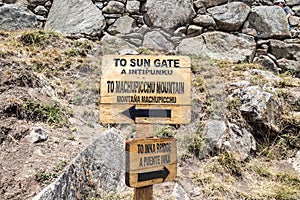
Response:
column 113, row 114
column 156, row 84
column 150, row 161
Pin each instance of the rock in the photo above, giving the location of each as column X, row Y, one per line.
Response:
column 156, row 40
column 128, row 52
column 214, row 135
column 123, row 25
column 260, row 106
column 168, row 14
column 133, row 7
column 114, row 7
column 291, row 65
column 204, row 20
column 207, row 4
column 110, row 42
column 231, row 16
column 269, row 22
column 220, row 46
column 284, row 49
column 76, row 18
column 239, row 141
column 194, row 30
column 134, row 38
column 41, row 10
column 37, row 134
column 97, row 169
column 267, row 62
column 38, row 2
column 17, row 17
column 295, row 162
column 179, row 193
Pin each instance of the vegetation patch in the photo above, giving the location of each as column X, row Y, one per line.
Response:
column 37, row 37
column 47, row 112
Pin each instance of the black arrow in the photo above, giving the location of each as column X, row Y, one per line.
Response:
column 132, row 113
column 146, row 176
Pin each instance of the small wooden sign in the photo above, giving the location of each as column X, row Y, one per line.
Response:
column 145, row 89
column 150, row 161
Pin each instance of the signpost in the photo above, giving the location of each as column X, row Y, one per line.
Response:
column 150, row 161
column 146, row 90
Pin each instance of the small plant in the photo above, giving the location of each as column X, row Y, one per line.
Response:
column 262, row 171
column 144, row 51
column 87, row 45
column 258, row 80
column 71, row 138
column 234, row 103
column 50, row 113
column 288, row 179
column 202, row 178
column 194, row 144
column 44, row 177
column 164, row 132
column 67, row 63
column 60, row 166
column 37, row 37
column 224, row 64
column 199, row 84
column 73, row 52
column 78, row 100
column 228, row 161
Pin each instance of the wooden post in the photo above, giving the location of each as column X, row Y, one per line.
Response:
column 144, row 193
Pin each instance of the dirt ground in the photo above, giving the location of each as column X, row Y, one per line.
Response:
column 51, row 82
column 36, row 91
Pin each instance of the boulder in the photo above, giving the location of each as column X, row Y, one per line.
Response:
column 207, row 4
column 75, row 18
column 293, row 2
column 168, row 14
column 269, row 22
column 194, row 30
column 205, row 21
column 133, row 7
column 289, row 65
column 114, row 7
column 157, row 40
column 17, row 17
column 261, row 107
column 284, row 49
column 239, row 141
column 97, row 169
column 214, row 135
column 267, row 62
column 122, row 25
column 220, row 46
column 231, row 16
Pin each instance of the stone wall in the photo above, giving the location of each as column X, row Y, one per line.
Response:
column 237, row 31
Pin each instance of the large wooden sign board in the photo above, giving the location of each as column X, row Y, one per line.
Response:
column 150, row 161
column 145, row 89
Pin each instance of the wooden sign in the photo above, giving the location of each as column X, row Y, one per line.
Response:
column 145, row 89
column 150, row 161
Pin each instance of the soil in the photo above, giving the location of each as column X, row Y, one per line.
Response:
column 37, row 92
column 55, row 85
